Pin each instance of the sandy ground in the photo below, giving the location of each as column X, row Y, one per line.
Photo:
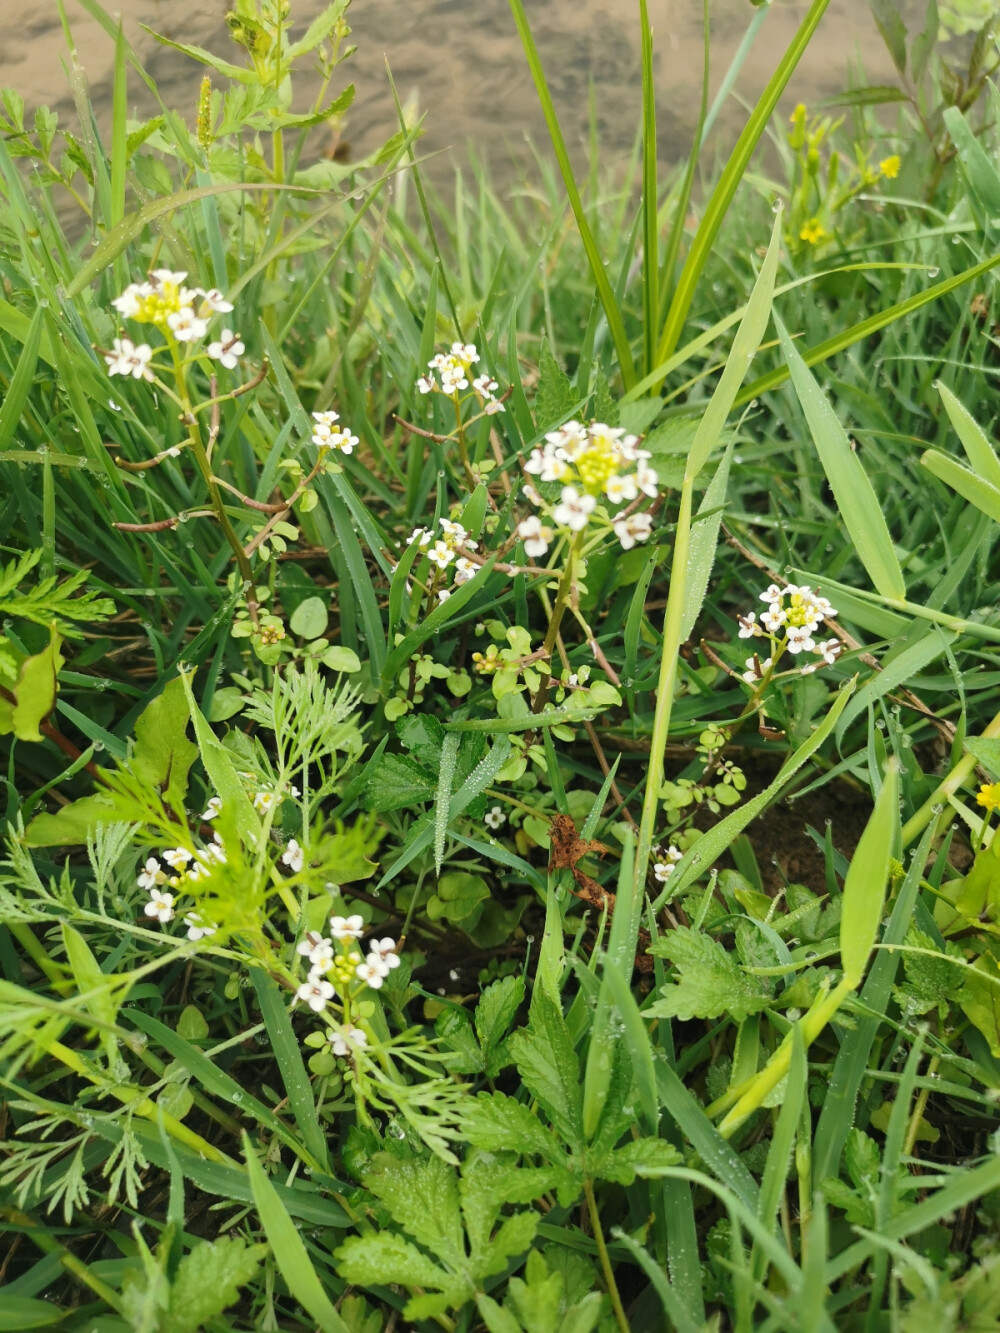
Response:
column 463, row 62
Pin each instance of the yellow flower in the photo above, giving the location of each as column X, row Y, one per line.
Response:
column 889, row 167
column 989, row 795
column 813, row 232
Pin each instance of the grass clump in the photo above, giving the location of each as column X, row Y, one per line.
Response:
column 425, row 624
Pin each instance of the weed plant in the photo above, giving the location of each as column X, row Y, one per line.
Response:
column 425, row 623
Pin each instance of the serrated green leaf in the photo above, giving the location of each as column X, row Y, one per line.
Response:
column 495, row 1012
column 549, row 1068
column 498, row 1123
column 372, row 1261
column 398, row 783
column 208, row 1280
column 555, row 397
column 710, row 982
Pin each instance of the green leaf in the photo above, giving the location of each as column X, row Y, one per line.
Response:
column 310, row 618
column 893, row 29
column 967, row 483
column 72, row 824
column 549, row 1068
column 498, row 1123
column 979, row 999
column 163, row 755
column 21, row 381
column 341, row 659
column 638, row 1157
column 987, row 750
column 374, row 1260
column 867, row 877
column 208, row 1280
column 423, row 735
column 496, row 1010
column 423, row 1198
column 859, row 506
column 555, row 397
column 19, row 1313
column 704, row 540
column 710, row 983
column 289, row 1250
column 221, row 770
column 398, row 783
column 34, row 693
column 975, row 442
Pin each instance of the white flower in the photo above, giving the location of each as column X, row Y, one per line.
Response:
column 151, row 875
column 621, row 488
column 773, row 619
column 160, row 905
column 128, row 359
column 493, row 406
column 161, row 277
column 635, row 528
column 548, row 464
column 420, row 535
column 347, row 1037
column 311, row 942
column 664, row 867
column 535, row 535
column 467, row 353
column 800, row 639
column 574, row 509
column 263, row 800
column 771, row 594
column 186, row 326
column 647, row 481
column 426, row 383
column 372, row 972
column 530, row 494
column 443, row 594
column 749, row 629
column 293, row 856
column 228, row 350
column 129, row 302
column 211, row 810
column 454, row 533
column 464, row 569
column 342, row 440
column 212, row 301
column 177, row 857
column 384, row 949
column 441, row 554
column 829, row 650
column 196, row 927
column 315, row 992
column 495, row 817
column 347, row 927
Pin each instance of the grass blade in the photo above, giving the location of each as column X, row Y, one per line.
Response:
column 290, row 1253
column 611, row 311
column 856, row 499
column 288, row 1054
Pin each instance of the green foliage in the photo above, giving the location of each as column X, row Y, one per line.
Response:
column 474, row 869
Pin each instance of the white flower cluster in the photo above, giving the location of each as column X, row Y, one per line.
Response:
column 327, row 434
column 442, row 552
column 182, row 314
column 592, row 462
column 665, row 863
column 187, row 868
column 453, row 369
column 339, row 956
column 793, row 616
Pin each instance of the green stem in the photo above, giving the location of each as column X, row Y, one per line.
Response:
column 215, row 494
column 605, row 1259
column 563, row 594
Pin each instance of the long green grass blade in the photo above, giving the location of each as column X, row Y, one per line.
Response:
column 600, row 277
